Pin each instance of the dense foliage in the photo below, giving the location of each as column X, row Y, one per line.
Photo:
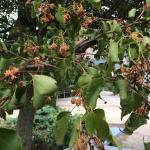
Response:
column 44, row 128
column 44, row 51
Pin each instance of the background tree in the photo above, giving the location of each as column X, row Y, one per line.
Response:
column 41, row 54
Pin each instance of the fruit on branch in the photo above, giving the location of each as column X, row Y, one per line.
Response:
column 64, row 48
column 11, row 73
column 66, row 17
column 53, row 46
column 76, row 101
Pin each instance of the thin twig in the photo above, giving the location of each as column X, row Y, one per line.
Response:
column 141, row 14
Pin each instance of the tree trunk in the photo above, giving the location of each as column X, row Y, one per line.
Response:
column 25, row 121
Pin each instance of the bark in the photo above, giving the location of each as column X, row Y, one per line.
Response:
column 26, row 114
column 25, row 121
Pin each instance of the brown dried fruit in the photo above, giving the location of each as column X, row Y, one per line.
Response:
column 49, row 100
column 79, row 10
column 78, row 101
column 66, row 17
column 11, row 73
column 82, row 142
column 21, row 83
column 73, row 100
column 64, row 49
column 38, row 61
column 46, row 18
column 87, row 23
column 46, row 7
column 53, row 46
column 30, row 48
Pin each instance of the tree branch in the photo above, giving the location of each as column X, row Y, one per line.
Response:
column 81, row 47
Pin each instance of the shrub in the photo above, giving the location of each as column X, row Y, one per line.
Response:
column 43, row 128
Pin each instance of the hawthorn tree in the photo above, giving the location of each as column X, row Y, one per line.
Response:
column 42, row 52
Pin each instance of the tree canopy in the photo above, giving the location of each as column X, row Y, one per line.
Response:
column 43, row 46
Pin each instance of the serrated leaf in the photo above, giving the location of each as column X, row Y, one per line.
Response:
column 95, row 123
column 129, row 100
column 127, row 105
column 42, row 87
column 9, row 140
column 134, row 122
column 91, row 87
column 113, row 51
column 61, row 127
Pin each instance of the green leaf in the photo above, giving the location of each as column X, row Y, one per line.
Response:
column 123, row 88
column 75, row 133
column 61, row 127
column 102, row 126
column 92, row 71
column 17, row 100
column 90, row 123
column 3, row 46
column 132, row 13
column 148, row 3
column 60, row 15
column 146, row 39
column 5, row 63
column 134, row 52
column 84, row 79
column 115, row 27
column 113, row 51
column 129, row 100
column 9, row 140
column 4, row 92
column 91, row 88
column 100, row 113
column 130, row 104
column 65, row 72
column 95, row 123
column 105, row 26
column 95, row 3
column 35, row 6
column 103, row 131
column 147, row 146
column 42, row 87
column 134, row 122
